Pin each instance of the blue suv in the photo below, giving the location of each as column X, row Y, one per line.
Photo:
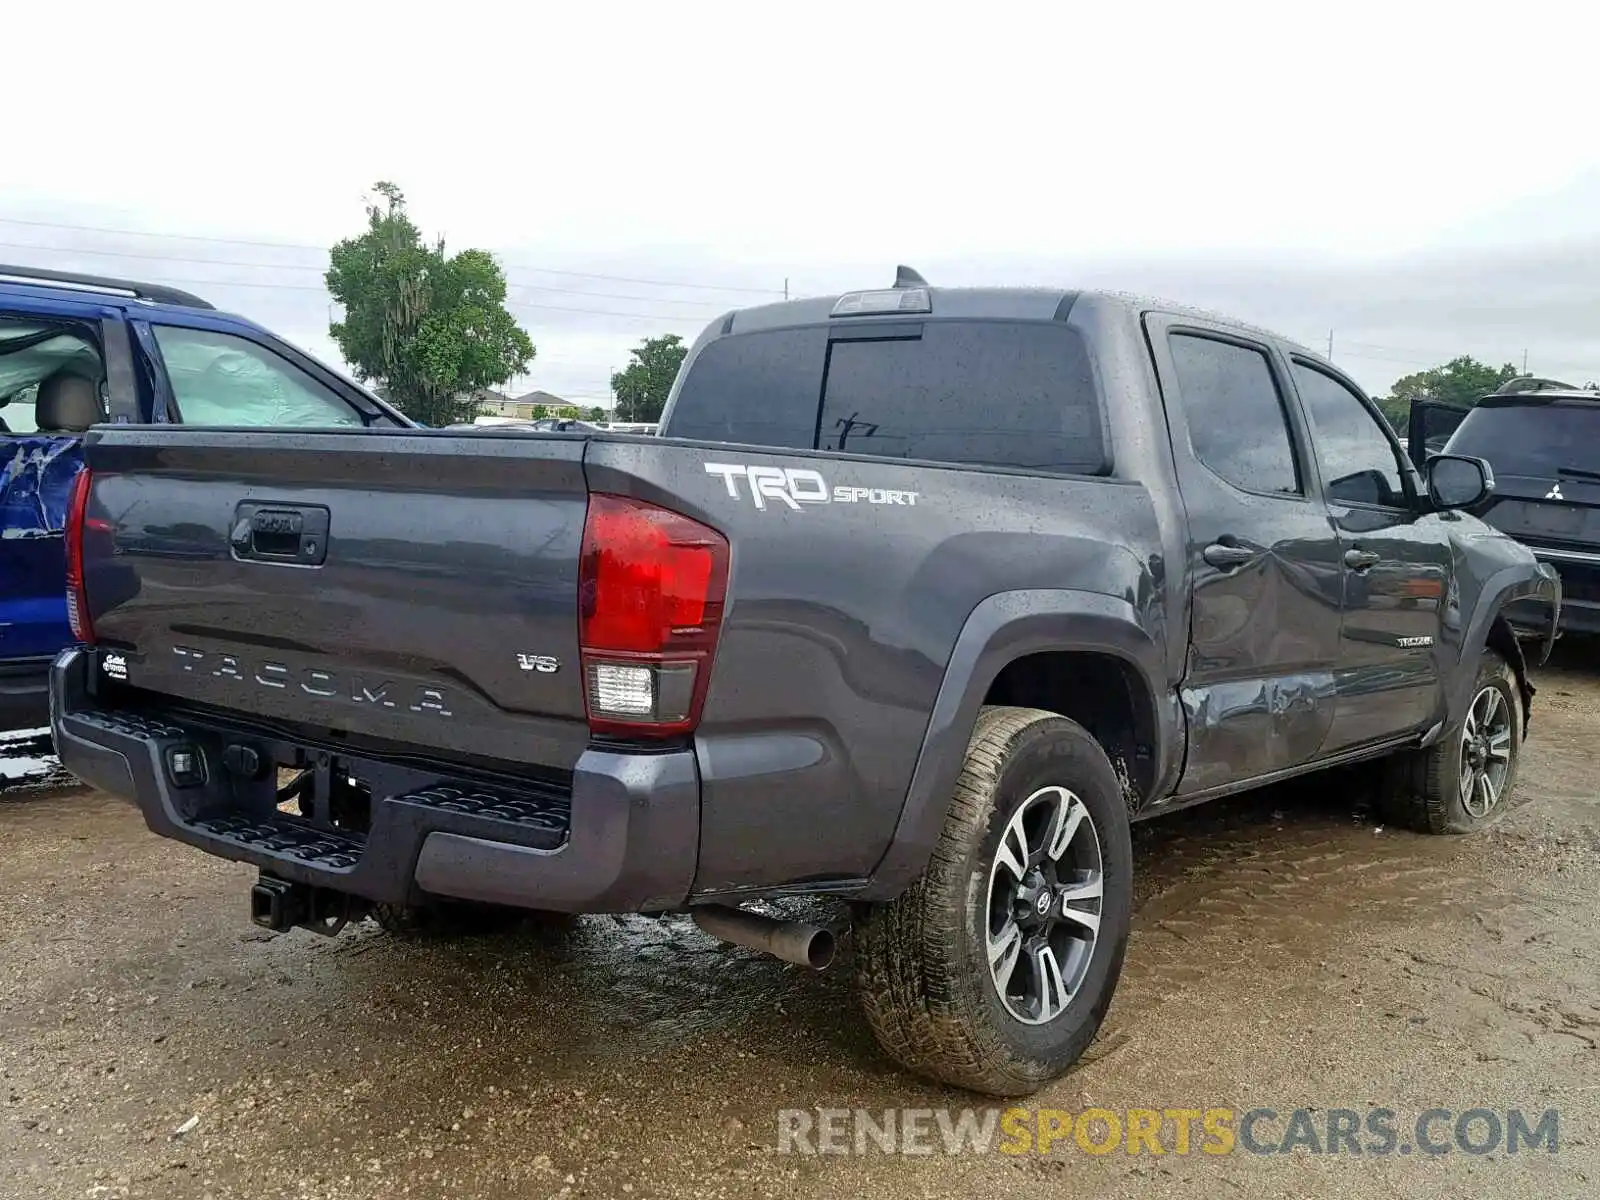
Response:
column 77, row 350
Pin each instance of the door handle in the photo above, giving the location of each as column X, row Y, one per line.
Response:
column 280, row 533
column 1226, row 557
column 1360, row 560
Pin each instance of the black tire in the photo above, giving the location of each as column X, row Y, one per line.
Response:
column 1423, row 789
column 460, row 918
column 922, row 970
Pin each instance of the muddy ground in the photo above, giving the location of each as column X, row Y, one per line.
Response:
column 1287, row 953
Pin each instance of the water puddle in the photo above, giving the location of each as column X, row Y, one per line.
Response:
column 28, row 762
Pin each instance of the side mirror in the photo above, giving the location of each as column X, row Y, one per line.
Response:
column 1456, row 481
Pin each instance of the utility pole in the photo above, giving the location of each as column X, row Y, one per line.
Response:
column 786, row 287
column 1330, row 345
column 1524, row 360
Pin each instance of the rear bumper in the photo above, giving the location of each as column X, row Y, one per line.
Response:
column 623, row 839
column 25, row 694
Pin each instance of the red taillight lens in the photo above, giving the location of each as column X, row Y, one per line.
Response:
column 77, row 599
column 651, row 588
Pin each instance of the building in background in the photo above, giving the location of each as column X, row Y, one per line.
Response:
column 527, row 406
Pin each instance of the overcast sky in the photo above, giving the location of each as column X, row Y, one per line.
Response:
column 1422, row 179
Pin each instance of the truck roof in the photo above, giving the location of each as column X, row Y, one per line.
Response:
column 1016, row 303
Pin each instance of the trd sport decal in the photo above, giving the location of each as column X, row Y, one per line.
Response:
column 797, row 486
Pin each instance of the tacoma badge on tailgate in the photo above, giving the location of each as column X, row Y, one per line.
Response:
column 419, row 698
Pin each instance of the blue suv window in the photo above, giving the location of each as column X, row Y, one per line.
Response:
column 32, row 351
column 220, row 379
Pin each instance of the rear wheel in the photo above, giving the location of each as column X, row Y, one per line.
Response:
column 1463, row 784
column 994, row 970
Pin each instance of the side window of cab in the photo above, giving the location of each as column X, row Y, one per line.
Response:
column 223, row 379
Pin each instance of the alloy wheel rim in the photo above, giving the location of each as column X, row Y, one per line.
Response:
column 1046, row 889
column 1486, row 738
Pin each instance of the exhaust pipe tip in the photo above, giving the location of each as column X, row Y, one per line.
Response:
column 792, row 941
column 820, row 949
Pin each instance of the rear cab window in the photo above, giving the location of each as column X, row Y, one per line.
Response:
column 1530, row 437
column 1009, row 394
column 758, row 389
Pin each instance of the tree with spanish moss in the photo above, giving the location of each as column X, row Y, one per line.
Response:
column 427, row 327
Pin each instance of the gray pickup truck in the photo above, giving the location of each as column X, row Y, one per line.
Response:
column 922, row 597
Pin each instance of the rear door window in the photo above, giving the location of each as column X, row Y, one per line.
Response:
column 33, row 350
column 220, row 379
column 1531, row 437
column 1237, row 423
column 987, row 393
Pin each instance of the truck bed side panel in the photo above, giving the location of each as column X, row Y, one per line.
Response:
column 842, row 618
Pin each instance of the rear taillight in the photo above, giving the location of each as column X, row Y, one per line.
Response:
column 77, row 599
column 651, row 588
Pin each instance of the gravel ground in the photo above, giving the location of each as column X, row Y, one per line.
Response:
column 1287, row 953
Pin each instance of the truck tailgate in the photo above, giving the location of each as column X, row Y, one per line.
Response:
column 418, row 588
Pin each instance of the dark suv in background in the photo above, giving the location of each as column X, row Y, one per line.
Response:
column 1542, row 438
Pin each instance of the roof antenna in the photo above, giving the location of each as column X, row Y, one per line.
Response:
column 905, row 277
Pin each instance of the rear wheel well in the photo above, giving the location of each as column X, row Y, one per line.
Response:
column 1103, row 693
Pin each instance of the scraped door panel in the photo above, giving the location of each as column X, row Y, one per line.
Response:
column 1265, row 580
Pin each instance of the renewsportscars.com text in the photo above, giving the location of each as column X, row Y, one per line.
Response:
column 1374, row 1132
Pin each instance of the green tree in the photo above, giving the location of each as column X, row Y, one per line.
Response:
column 1462, row 381
column 596, row 413
column 427, row 327
column 641, row 387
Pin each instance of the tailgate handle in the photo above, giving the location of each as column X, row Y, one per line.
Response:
column 280, row 533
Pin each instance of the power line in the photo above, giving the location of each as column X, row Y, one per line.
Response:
column 534, row 287
column 226, row 262
column 681, row 318
column 216, row 241
column 179, row 237
column 177, row 258
column 601, row 312
column 1357, row 350
column 1415, row 356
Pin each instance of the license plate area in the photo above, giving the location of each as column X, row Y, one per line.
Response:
column 1558, row 520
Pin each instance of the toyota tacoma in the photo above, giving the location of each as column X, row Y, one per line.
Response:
column 923, row 595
